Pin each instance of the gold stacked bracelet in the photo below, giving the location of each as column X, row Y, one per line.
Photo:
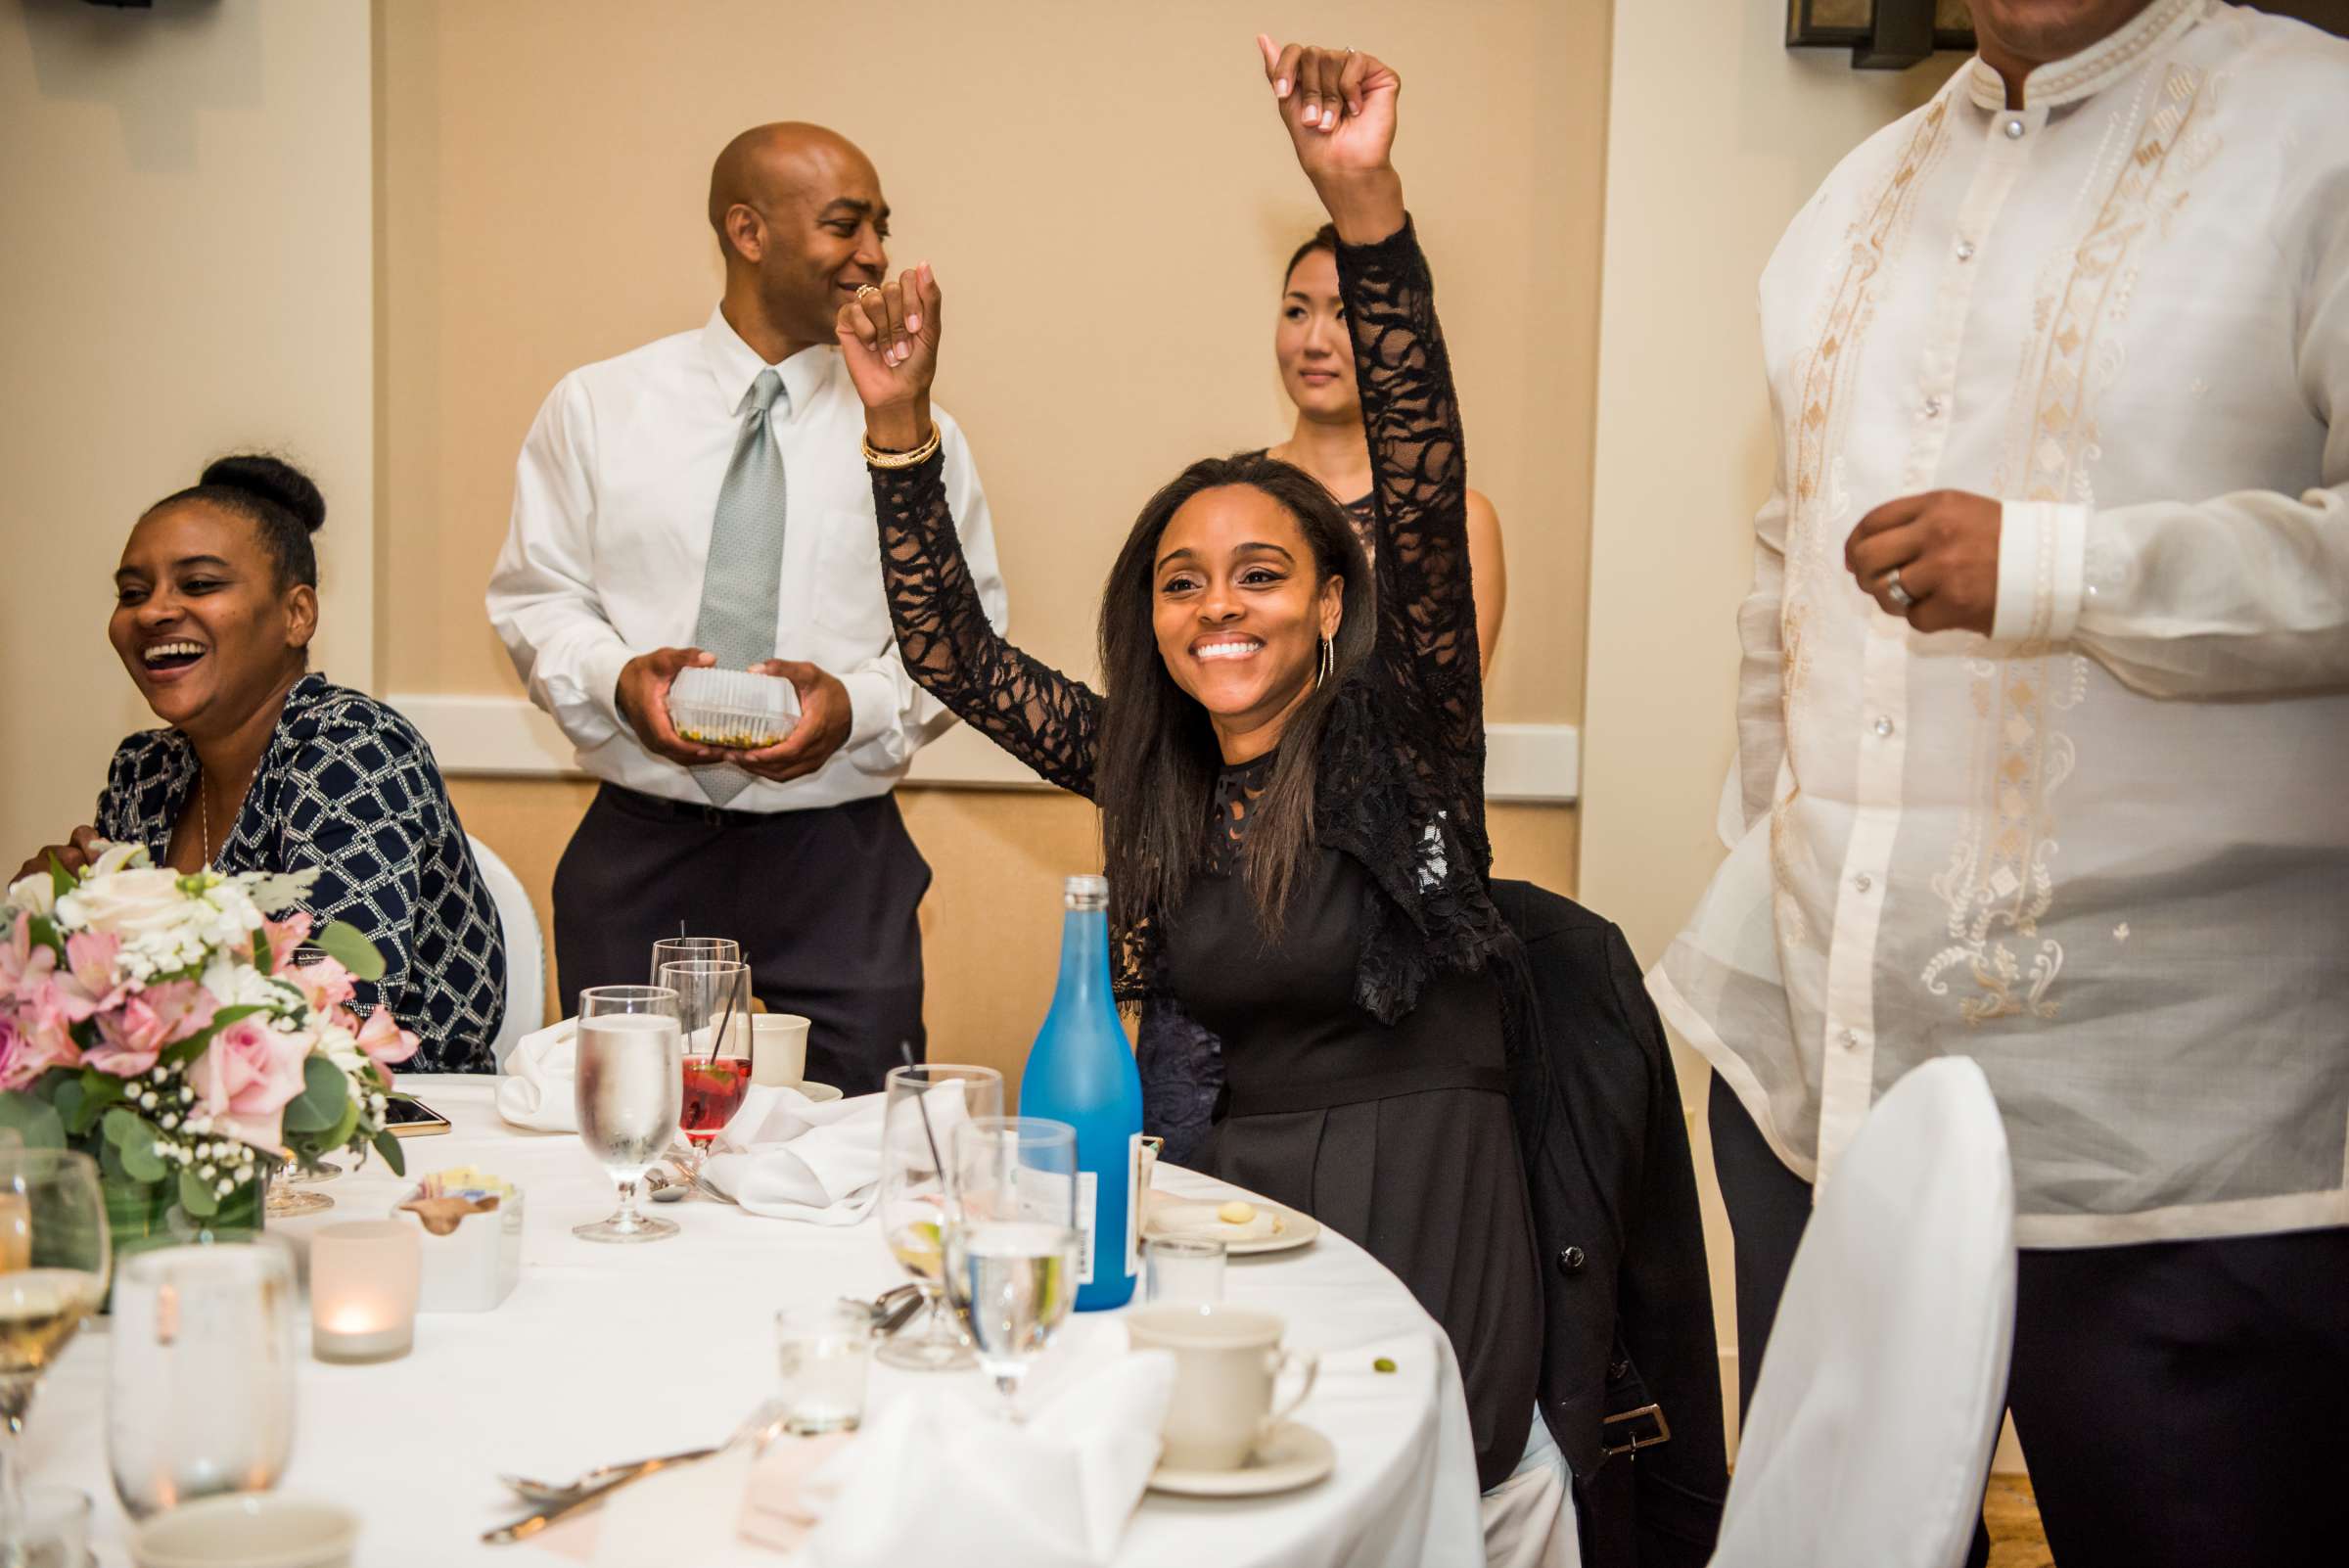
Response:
column 919, row 455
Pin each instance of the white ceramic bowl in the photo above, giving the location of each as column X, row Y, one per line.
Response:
column 252, row 1530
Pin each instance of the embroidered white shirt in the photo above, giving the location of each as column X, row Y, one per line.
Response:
column 613, row 495
column 2105, row 852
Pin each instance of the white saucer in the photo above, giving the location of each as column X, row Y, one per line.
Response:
column 820, row 1093
column 1294, row 1455
column 1295, row 1229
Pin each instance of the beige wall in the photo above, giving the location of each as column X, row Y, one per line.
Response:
column 1110, row 253
column 1110, row 250
column 186, row 263
column 1717, row 134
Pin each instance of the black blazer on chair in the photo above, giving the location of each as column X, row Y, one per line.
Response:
column 1629, row 1350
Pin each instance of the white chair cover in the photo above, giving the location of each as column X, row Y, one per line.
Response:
column 1870, row 1439
column 526, row 951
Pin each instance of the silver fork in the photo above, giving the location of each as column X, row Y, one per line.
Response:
column 758, row 1431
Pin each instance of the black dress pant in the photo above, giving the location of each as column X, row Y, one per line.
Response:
column 822, row 902
column 2180, row 1402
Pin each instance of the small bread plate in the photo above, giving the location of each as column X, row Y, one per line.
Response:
column 1270, row 1228
column 820, row 1093
column 1292, row 1455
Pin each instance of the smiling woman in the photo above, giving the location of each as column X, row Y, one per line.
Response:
column 1289, row 767
column 266, row 766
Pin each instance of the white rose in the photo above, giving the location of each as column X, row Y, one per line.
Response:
column 140, row 905
column 36, row 894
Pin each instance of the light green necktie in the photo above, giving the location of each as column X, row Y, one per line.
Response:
column 742, row 586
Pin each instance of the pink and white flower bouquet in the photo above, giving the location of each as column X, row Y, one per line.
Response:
column 161, row 1024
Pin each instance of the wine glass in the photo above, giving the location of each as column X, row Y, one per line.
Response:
column 713, row 1012
column 54, row 1258
column 199, row 1390
column 1012, row 1251
column 925, row 1105
column 629, row 1092
column 686, row 949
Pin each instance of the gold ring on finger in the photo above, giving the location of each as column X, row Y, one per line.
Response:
column 864, row 288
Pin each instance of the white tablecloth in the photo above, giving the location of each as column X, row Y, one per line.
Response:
column 612, row 1352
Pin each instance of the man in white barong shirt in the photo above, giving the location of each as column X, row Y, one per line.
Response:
column 2044, row 746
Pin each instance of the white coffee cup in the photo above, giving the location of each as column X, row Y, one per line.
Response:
column 779, row 1047
column 1227, row 1361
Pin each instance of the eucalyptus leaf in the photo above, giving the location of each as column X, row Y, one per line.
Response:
column 388, row 1147
column 325, row 1095
column 67, row 1100
column 345, row 1126
column 142, row 1163
column 347, row 945
column 123, row 1125
column 92, row 1093
column 110, row 1162
column 32, row 1119
column 196, row 1194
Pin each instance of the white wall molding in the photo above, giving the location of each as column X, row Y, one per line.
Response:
column 506, row 736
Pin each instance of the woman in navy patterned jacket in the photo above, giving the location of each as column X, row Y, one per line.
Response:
column 269, row 767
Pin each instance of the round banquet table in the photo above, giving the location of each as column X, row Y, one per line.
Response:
column 607, row 1353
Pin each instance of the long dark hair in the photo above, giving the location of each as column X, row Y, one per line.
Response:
column 1158, row 755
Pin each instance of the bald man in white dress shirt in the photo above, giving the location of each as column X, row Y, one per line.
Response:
column 703, row 500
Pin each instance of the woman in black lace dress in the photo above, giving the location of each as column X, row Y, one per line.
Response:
column 1289, row 767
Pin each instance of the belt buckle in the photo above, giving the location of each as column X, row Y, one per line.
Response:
column 1636, row 1440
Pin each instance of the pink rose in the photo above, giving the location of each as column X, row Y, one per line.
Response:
column 245, row 1078
column 385, row 1042
column 28, row 1049
column 134, row 1035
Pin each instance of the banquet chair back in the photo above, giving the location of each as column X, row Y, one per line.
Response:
column 526, row 951
column 1869, row 1438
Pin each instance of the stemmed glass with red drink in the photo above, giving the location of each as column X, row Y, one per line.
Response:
column 714, row 1009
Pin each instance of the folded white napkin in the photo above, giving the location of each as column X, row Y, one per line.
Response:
column 788, row 1157
column 535, row 1085
column 941, row 1477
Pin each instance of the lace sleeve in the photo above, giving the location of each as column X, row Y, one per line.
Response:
column 1427, row 617
column 1032, row 712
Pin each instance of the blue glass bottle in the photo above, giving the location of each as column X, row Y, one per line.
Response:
column 1080, row 1071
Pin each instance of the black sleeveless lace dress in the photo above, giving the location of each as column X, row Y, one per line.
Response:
column 1364, row 1049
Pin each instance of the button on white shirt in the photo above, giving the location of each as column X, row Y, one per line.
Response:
column 613, row 495
column 2105, row 851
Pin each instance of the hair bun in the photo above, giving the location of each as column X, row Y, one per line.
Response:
column 273, row 479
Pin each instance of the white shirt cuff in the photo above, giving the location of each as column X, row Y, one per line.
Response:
column 2043, row 550
column 872, row 705
column 599, row 679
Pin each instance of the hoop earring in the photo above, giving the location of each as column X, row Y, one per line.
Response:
column 1329, row 660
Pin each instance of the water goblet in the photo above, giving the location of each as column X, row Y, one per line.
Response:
column 925, row 1104
column 629, row 1092
column 1012, row 1251
column 53, row 1274
column 686, row 949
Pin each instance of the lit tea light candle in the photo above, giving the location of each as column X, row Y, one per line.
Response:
column 363, row 1283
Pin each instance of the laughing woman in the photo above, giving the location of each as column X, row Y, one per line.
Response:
column 1289, row 767
column 268, row 767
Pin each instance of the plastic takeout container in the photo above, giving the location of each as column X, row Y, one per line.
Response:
column 738, row 708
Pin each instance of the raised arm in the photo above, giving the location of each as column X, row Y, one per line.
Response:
column 1339, row 108
column 889, row 339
